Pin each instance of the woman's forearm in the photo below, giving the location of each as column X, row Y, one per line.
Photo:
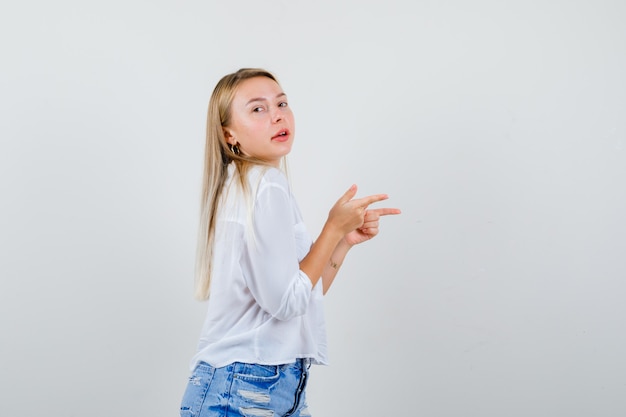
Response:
column 334, row 263
column 316, row 261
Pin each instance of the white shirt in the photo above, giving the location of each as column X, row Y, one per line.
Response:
column 262, row 308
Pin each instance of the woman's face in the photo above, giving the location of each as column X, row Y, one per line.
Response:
column 262, row 124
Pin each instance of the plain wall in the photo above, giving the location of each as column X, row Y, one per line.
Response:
column 498, row 127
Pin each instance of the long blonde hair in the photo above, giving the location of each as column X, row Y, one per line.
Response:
column 217, row 156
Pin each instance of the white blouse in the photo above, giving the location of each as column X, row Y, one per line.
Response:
column 262, row 308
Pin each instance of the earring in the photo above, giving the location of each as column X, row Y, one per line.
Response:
column 234, row 149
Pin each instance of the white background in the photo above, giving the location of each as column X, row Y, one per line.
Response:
column 498, row 127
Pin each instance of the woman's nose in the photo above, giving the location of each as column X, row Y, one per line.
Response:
column 277, row 116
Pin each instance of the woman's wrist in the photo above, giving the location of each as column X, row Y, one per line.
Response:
column 339, row 253
column 344, row 243
column 332, row 233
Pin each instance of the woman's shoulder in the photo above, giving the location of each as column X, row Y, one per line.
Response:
column 264, row 176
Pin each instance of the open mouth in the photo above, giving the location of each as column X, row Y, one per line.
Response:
column 281, row 135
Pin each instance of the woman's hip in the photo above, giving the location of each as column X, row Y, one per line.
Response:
column 242, row 389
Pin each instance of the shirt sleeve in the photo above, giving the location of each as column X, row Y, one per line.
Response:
column 273, row 272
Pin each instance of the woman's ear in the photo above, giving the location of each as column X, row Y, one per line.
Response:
column 228, row 135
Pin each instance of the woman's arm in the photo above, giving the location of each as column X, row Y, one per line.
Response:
column 334, row 263
column 367, row 231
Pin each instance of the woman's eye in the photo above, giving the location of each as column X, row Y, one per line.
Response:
column 257, row 109
column 282, row 104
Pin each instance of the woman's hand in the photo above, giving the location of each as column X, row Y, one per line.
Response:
column 349, row 223
column 369, row 229
column 353, row 220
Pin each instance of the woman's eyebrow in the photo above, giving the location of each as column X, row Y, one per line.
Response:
column 252, row 100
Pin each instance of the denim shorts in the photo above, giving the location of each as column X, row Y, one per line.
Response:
column 247, row 390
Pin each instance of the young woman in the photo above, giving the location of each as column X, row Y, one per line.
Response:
column 262, row 274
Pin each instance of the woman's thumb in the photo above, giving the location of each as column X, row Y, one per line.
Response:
column 348, row 195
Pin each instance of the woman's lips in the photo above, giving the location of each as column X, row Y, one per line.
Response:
column 281, row 136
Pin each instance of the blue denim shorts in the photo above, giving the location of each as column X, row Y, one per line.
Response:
column 247, row 390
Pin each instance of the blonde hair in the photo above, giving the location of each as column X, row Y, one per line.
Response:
column 217, row 156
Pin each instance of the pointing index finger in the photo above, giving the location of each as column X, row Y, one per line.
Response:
column 386, row 211
column 370, row 199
